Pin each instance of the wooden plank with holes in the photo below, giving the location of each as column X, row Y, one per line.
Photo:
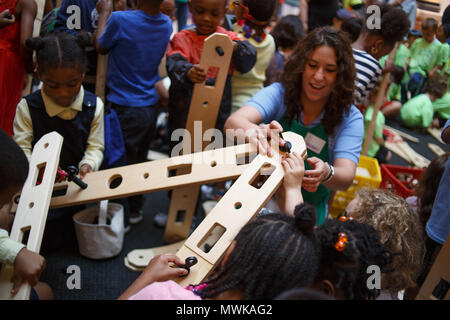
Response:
column 436, row 133
column 436, row 149
column 204, row 108
column 138, row 259
column 236, row 208
column 438, row 275
column 33, row 206
column 205, row 167
column 403, row 134
column 403, row 150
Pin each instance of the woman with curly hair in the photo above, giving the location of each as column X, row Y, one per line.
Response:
column 314, row 99
column 400, row 230
column 375, row 41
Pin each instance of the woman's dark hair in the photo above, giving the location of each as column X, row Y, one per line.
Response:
column 273, row 253
column 428, row 185
column 60, row 50
column 347, row 269
column 352, row 26
column 13, row 163
column 341, row 98
column 288, row 31
column 394, row 24
column 261, row 10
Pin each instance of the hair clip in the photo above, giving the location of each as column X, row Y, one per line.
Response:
column 345, row 218
column 342, row 242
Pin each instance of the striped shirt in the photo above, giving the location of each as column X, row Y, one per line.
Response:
column 368, row 70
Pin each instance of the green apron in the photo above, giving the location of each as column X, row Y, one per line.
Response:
column 319, row 198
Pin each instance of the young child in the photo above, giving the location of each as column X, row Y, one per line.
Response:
column 425, row 57
column 183, row 57
column 136, row 41
column 287, row 33
column 352, row 26
column 28, row 265
column 376, row 148
column 255, row 266
column 347, row 249
column 253, row 19
column 16, row 25
column 374, row 43
column 418, row 112
column 64, row 106
column 400, row 231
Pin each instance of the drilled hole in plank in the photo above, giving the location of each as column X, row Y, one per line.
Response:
column 262, row 175
column 245, row 158
column 238, row 205
column 115, row 181
column 179, row 170
column 24, row 235
column 41, row 171
column 211, row 76
column 59, row 191
column 146, row 175
column 213, row 164
column 211, row 238
column 181, row 214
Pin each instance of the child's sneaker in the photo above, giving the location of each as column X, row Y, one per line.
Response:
column 136, row 217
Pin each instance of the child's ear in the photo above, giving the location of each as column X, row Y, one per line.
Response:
column 327, row 287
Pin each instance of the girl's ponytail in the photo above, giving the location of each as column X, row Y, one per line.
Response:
column 305, row 218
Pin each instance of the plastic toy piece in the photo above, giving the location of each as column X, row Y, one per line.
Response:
column 236, row 208
column 33, row 206
column 203, row 111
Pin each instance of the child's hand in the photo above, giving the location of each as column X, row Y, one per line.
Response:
column 159, row 270
column 260, row 135
column 6, row 18
column 196, row 74
column 104, row 6
column 28, row 267
column 84, row 170
column 294, row 169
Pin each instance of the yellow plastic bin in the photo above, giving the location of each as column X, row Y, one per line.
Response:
column 368, row 174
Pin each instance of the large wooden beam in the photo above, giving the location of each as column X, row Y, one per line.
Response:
column 33, row 207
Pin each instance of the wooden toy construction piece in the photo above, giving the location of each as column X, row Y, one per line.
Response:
column 33, row 206
column 203, row 167
column 436, row 284
column 436, row 133
column 138, row 259
column 436, row 149
column 403, row 134
column 236, row 208
column 203, row 110
column 403, row 150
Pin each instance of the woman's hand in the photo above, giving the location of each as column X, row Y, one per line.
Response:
column 259, row 136
column 318, row 173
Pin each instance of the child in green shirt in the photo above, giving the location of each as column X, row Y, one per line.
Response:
column 425, row 57
column 418, row 112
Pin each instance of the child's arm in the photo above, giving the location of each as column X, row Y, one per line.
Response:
column 27, row 10
column 93, row 155
column 290, row 194
column 28, row 265
column 104, row 9
column 23, row 128
column 159, row 270
column 244, row 56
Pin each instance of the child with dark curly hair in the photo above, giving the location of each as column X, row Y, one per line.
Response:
column 372, row 44
column 347, row 250
column 314, row 99
column 271, row 254
column 400, row 230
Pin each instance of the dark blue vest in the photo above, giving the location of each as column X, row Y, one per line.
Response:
column 75, row 132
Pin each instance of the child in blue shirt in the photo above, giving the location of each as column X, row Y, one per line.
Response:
column 136, row 41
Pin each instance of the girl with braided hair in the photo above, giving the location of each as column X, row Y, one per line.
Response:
column 271, row 254
column 64, row 106
column 348, row 248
